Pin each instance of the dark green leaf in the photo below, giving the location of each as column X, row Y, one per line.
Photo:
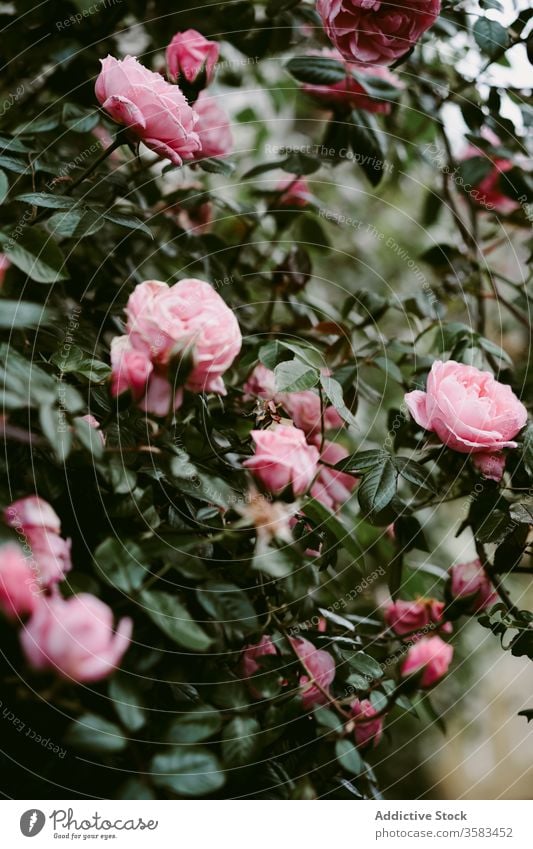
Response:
column 173, row 618
column 36, row 254
column 295, row 376
column 195, row 726
column 317, row 70
column 239, row 741
column 187, row 771
column 95, row 734
column 348, row 757
column 127, row 701
column 378, row 487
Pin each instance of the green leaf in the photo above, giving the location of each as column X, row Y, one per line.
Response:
column 295, row 376
column 89, row 437
column 129, row 221
column 187, row 771
column 195, row 726
column 127, row 701
column 362, row 461
column 78, row 119
column 75, row 223
column 121, row 564
column 378, row 487
column 364, row 664
column 277, row 563
column 322, row 517
column 333, row 392
column 36, row 254
column 491, row 37
column 273, row 353
column 56, row 428
column 415, row 473
column 173, row 618
column 317, row 70
column 42, row 199
column 228, row 605
column 365, row 143
column 217, row 166
column 239, row 741
column 95, row 734
column 4, row 186
column 348, row 757
column 21, row 314
column 12, row 164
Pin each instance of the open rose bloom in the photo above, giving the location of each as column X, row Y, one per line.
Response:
column 213, row 128
column 376, row 32
column 189, row 54
column 468, row 409
column 470, row 585
column 410, row 617
column 154, row 111
column 429, row 658
column 283, row 458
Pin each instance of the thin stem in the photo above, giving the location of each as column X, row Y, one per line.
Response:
column 105, row 153
column 495, row 581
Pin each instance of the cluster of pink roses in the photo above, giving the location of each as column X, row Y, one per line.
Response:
column 166, row 327
column 157, row 112
column 289, row 455
column 74, row 636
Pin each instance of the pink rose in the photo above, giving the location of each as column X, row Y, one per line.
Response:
column 351, row 93
column 407, row 617
column 321, row 668
column 251, row 659
column 189, row 54
column 469, row 583
column 38, row 526
column 368, row 728
column 131, row 368
column 213, row 128
column 75, row 638
column 332, row 488
column 4, row 265
column 283, row 458
column 186, row 318
column 261, row 383
column 431, row 657
column 19, row 590
column 294, row 192
column 376, row 32
column 304, row 410
column 154, row 111
column 491, row 466
column 468, row 410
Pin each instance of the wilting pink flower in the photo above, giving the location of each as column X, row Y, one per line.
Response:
column 429, row 656
column 154, row 111
column 376, row 32
column 19, row 590
column 407, row 617
column 467, row 408
column 75, row 637
column 272, row 519
column 251, row 659
column 213, row 128
column 368, row 728
column 320, row 667
column 332, row 488
column 4, row 265
column 469, row 583
column 491, row 466
column 293, row 192
column 351, row 93
column 38, row 527
column 189, row 53
column 283, row 458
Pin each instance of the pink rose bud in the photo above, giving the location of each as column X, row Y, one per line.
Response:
column 75, row 638
column 294, row 192
column 408, row 617
column 282, row 459
column 251, row 659
column 429, row 657
column 468, row 410
column 351, row 93
column 213, row 128
column 332, row 488
column 32, row 512
column 154, row 111
column 4, row 265
column 189, row 55
column 469, row 583
column 321, row 668
column 131, row 368
column 368, row 728
column 19, row 590
column 38, row 527
column 375, row 32
column 491, row 466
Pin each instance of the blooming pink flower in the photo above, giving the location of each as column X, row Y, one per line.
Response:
column 321, row 668
column 214, row 130
column 282, row 458
column 304, row 410
column 332, row 488
column 4, row 265
column 261, row 383
column 469, row 583
column 133, row 371
column 491, row 466
column 251, row 659
column 294, row 192
column 373, row 31
column 350, row 92
column 154, row 111
column 75, row 637
column 467, row 408
column 429, row 656
column 38, row 525
column 189, row 317
column 407, row 617
column 19, row 590
column 368, row 731
column 189, row 53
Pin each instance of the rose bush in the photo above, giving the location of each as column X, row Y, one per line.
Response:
column 265, row 394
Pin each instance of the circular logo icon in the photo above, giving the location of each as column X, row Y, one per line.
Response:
column 32, row 822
